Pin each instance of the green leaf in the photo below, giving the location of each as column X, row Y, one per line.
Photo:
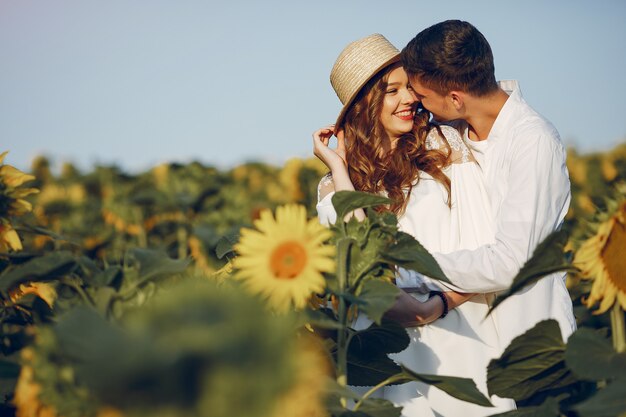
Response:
column 591, row 356
column 368, row 363
column 364, row 371
column 533, row 362
column 376, row 298
column 608, row 402
column 43, row 231
column 408, row 253
column 225, row 244
column 388, row 337
column 348, row 201
column 370, row 407
column 549, row 408
column 548, row 257
column 9, row 369
column 44, row 268
column 462, row 388
column 154, row 264
column 320, row 319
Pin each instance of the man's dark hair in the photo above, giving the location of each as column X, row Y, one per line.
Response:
column 451, row 55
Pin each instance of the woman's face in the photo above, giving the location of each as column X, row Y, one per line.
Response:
column 399, row 104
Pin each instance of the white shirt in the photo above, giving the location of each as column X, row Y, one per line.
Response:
column 523, row 162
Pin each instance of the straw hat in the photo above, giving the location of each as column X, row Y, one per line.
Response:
column 357, row 64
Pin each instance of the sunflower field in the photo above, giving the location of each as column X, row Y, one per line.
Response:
column 192, row 291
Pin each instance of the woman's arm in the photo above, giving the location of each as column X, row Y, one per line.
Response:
column 335, row 160
column 410, row 312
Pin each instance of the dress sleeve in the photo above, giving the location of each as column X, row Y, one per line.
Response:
column 534, row 205
column 325, row 211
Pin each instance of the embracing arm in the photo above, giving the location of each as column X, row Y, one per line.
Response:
column 536, row 201
column 410, row 312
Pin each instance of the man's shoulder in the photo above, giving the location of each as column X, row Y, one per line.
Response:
column 531, row 126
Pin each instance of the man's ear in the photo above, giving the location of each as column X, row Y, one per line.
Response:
column 457, row 98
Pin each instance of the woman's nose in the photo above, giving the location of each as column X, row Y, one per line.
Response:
column 409, row 97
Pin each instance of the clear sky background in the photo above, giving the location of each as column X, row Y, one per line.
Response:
column 139, row 82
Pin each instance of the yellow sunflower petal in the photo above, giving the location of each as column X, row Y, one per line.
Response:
column 283, row 259
column 13, row 177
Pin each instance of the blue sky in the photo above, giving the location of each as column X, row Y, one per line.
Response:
column 136, row 83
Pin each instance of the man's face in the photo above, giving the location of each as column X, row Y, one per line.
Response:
column 440, row 106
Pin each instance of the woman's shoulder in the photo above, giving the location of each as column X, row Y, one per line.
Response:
column 442, row 133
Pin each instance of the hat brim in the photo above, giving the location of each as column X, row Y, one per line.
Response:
column 346, row 106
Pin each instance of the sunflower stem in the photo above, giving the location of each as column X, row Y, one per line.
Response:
column 343, row 249
column 391, row 379
column 618, row 328
column 181, row 237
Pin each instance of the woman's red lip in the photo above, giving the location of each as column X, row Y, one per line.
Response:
column 409, row 117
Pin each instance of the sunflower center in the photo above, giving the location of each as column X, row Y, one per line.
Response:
column 288, row 260
column 613, row 256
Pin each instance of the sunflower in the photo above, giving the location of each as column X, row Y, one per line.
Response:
column 42, row 290
column 9, row 238
column 11, row 191
column 601, row 258
column 283, row 259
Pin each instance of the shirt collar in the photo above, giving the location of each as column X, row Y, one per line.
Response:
column 507, row 113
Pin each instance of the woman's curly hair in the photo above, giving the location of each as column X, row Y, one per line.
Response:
column 372, row 169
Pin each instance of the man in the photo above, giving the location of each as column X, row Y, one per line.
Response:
column 450, row 67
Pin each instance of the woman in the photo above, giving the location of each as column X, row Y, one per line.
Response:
column 387, row 145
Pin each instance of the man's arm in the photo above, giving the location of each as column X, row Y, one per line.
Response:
column 536, row 201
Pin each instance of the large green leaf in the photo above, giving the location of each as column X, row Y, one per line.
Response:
column 154, row 264
column 608, row 402
column 462, row 388
column 388, row 337
column 45, row 268
column 591, row 356
column 347, row 201
column 366, row 370
column 533, row 362
column 368, row 363
column 408, row 253
column 376, row 298
column 548, row 257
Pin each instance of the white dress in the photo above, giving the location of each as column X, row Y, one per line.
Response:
column 462, row 343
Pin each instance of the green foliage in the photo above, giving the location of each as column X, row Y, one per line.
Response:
column 547, row 258
column 368, row 363
column 532, row 365
column 209, row 370
column 345, row 202
column 462, row 388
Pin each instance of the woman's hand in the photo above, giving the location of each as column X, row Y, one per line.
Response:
column 333, row 158
column 410, row 312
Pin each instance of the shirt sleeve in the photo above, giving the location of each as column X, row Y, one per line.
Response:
column 535, row 202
